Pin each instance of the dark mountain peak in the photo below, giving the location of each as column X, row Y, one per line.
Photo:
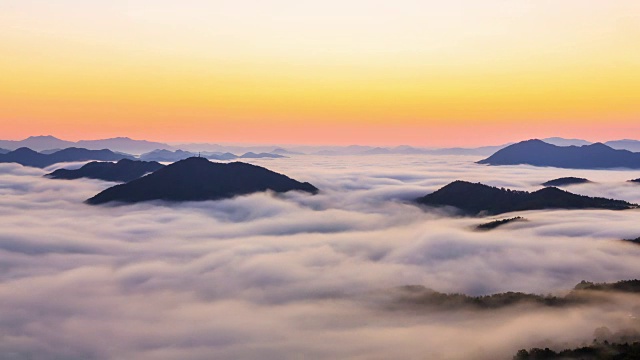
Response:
column 198, row 179
column 598, row 145
column 23, row 151
column 550, row 191
column 193, row 162
column 539, row 153
column 533, row 142
column 635, row 180
column 563, row 181
column 476, row 199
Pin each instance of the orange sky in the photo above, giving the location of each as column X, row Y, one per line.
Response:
column 459, row 73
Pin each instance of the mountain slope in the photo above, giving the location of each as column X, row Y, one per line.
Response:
column 482, row 199
column 197, row 179
column 28, row 157
column 538, row 153
column 123, row 171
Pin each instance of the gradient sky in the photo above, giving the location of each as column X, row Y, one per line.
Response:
column 431, row 73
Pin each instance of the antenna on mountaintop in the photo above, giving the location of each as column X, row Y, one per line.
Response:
column 198, row 153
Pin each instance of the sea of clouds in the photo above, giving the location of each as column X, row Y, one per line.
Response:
column 296, row 276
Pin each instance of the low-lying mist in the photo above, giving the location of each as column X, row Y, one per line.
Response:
column 299, row 276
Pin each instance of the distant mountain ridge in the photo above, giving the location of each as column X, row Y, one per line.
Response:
column 28, row 157
column 538, row 153
column 198, row 179
column 476, row 198
column 172, row 156
column 124, row 170
column 48, row 142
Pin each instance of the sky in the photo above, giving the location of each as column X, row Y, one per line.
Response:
column 430, row 73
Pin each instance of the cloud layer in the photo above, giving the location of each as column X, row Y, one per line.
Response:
column 291, row 276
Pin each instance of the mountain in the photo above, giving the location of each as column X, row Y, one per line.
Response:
column 558, row 141
column 48, row 142
column 478, row 198
column 198, row 179
column 221, row 156
column 123, row 171
column 28, row 157
column 282, row 151
column 123, row 144
column 166, row 155
column 635, row 181
column 564, row 181
column 252, row 155
column 539, row 153
column 626, row 144
column 4, row 151
column 37, row 143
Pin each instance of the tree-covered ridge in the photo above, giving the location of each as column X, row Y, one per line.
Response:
column 477, row 198
column 595, row 351
column 582, row 293
column 629, row 286
column 496, row 223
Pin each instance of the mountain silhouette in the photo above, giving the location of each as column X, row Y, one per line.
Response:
column 4, row 151
column 37, row 143
column 497, row 223
column 626, row 144
column 635, row 180
column 221, row 156
column 538, row 153
column 28, row 157
column 124, row 144
column 252, row 155
column 558, row 141
column 123, row 171
column 198, row 179
column 564, row 181
column 476, row 198
column 166, row 155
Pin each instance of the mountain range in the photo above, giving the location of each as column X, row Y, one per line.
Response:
column 198, row 179
column 172, row 156
column 123, row 171
column 28, row 157
column 539, row 153
column 48, row 142
column 124, row 144
column 476, row 198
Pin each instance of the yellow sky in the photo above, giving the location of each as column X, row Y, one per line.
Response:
column 379, row 72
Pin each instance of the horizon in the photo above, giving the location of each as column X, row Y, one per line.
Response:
column 313, row 144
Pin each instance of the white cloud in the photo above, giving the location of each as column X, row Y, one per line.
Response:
column 285, row 276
